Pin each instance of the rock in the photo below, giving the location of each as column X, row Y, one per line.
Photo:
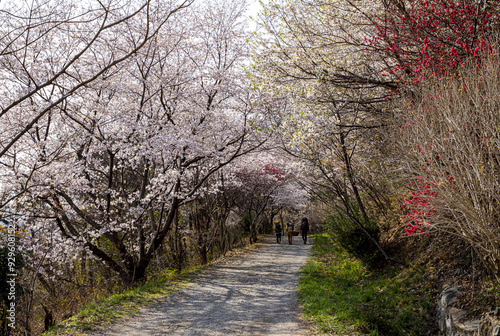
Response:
column 451, row 321
column 464, row 328
column 489, row 325
column 448, row 297
column 443, row 316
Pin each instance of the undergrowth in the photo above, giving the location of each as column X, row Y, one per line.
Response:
column 342, row 297
column 111, row 308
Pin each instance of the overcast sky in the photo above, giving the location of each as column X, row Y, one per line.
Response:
column 253, row 9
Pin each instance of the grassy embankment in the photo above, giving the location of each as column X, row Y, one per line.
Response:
column 111, row 308
column 342, row 297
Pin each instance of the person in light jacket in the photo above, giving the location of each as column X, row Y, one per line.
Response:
column 289, row 230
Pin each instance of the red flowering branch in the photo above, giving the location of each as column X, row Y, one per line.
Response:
column 434, row 36
column 420, row 206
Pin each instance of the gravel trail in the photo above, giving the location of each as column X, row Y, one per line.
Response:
column 253, row 294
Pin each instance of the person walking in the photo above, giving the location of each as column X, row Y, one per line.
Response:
column 277, row 229
column 304, row 228
column 289, row 230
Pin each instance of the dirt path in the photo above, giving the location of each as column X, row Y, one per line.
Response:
column 254, row 294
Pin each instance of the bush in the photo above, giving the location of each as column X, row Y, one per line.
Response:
column 450, row 141
column 348, row 235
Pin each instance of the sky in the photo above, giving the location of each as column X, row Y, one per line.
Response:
column 253, row 9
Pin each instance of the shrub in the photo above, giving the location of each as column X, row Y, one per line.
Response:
column 451, row 141
column 348, row 235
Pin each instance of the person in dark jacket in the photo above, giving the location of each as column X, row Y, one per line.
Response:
column 304, row 228
column 277, row 228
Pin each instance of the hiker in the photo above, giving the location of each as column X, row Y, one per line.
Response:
column 289, row 229
column 277, row 228
column 304, row 228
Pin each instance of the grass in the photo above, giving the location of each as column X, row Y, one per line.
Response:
column 342, row 297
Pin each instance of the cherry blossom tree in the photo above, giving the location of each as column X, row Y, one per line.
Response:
column 130, row 148
column 51, row 50
column 262, row 186
column 208, row 217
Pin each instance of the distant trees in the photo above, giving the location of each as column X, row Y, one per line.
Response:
column 262, row 187
column 315, row 57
